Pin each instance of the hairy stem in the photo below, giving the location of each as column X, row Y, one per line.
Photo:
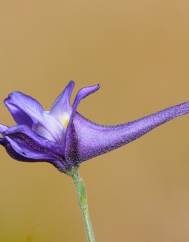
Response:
column 82, row 199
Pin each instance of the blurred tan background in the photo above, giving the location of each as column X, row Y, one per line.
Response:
column 139, row 52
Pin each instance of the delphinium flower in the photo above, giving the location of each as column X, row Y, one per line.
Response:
column 64, row 138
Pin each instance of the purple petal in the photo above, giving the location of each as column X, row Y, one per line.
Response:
column 92, row 140
column 49, row 127
column 62, row 103
column 83, row 93
column 3, row 128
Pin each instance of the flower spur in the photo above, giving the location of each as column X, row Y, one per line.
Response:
column 65, row 138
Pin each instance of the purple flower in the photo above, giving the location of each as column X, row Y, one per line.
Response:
column 64, row 137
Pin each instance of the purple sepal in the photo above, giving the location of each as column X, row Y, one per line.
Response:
column 92, row 139
column 24, row 109
column 70, row 142
column 25, row 145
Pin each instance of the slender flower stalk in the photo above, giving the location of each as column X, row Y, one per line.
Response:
column 83, row 203
column 64, row 138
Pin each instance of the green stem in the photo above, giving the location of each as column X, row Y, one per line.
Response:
column 82, row 199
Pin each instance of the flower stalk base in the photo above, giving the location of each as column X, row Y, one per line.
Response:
column 82, row 199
